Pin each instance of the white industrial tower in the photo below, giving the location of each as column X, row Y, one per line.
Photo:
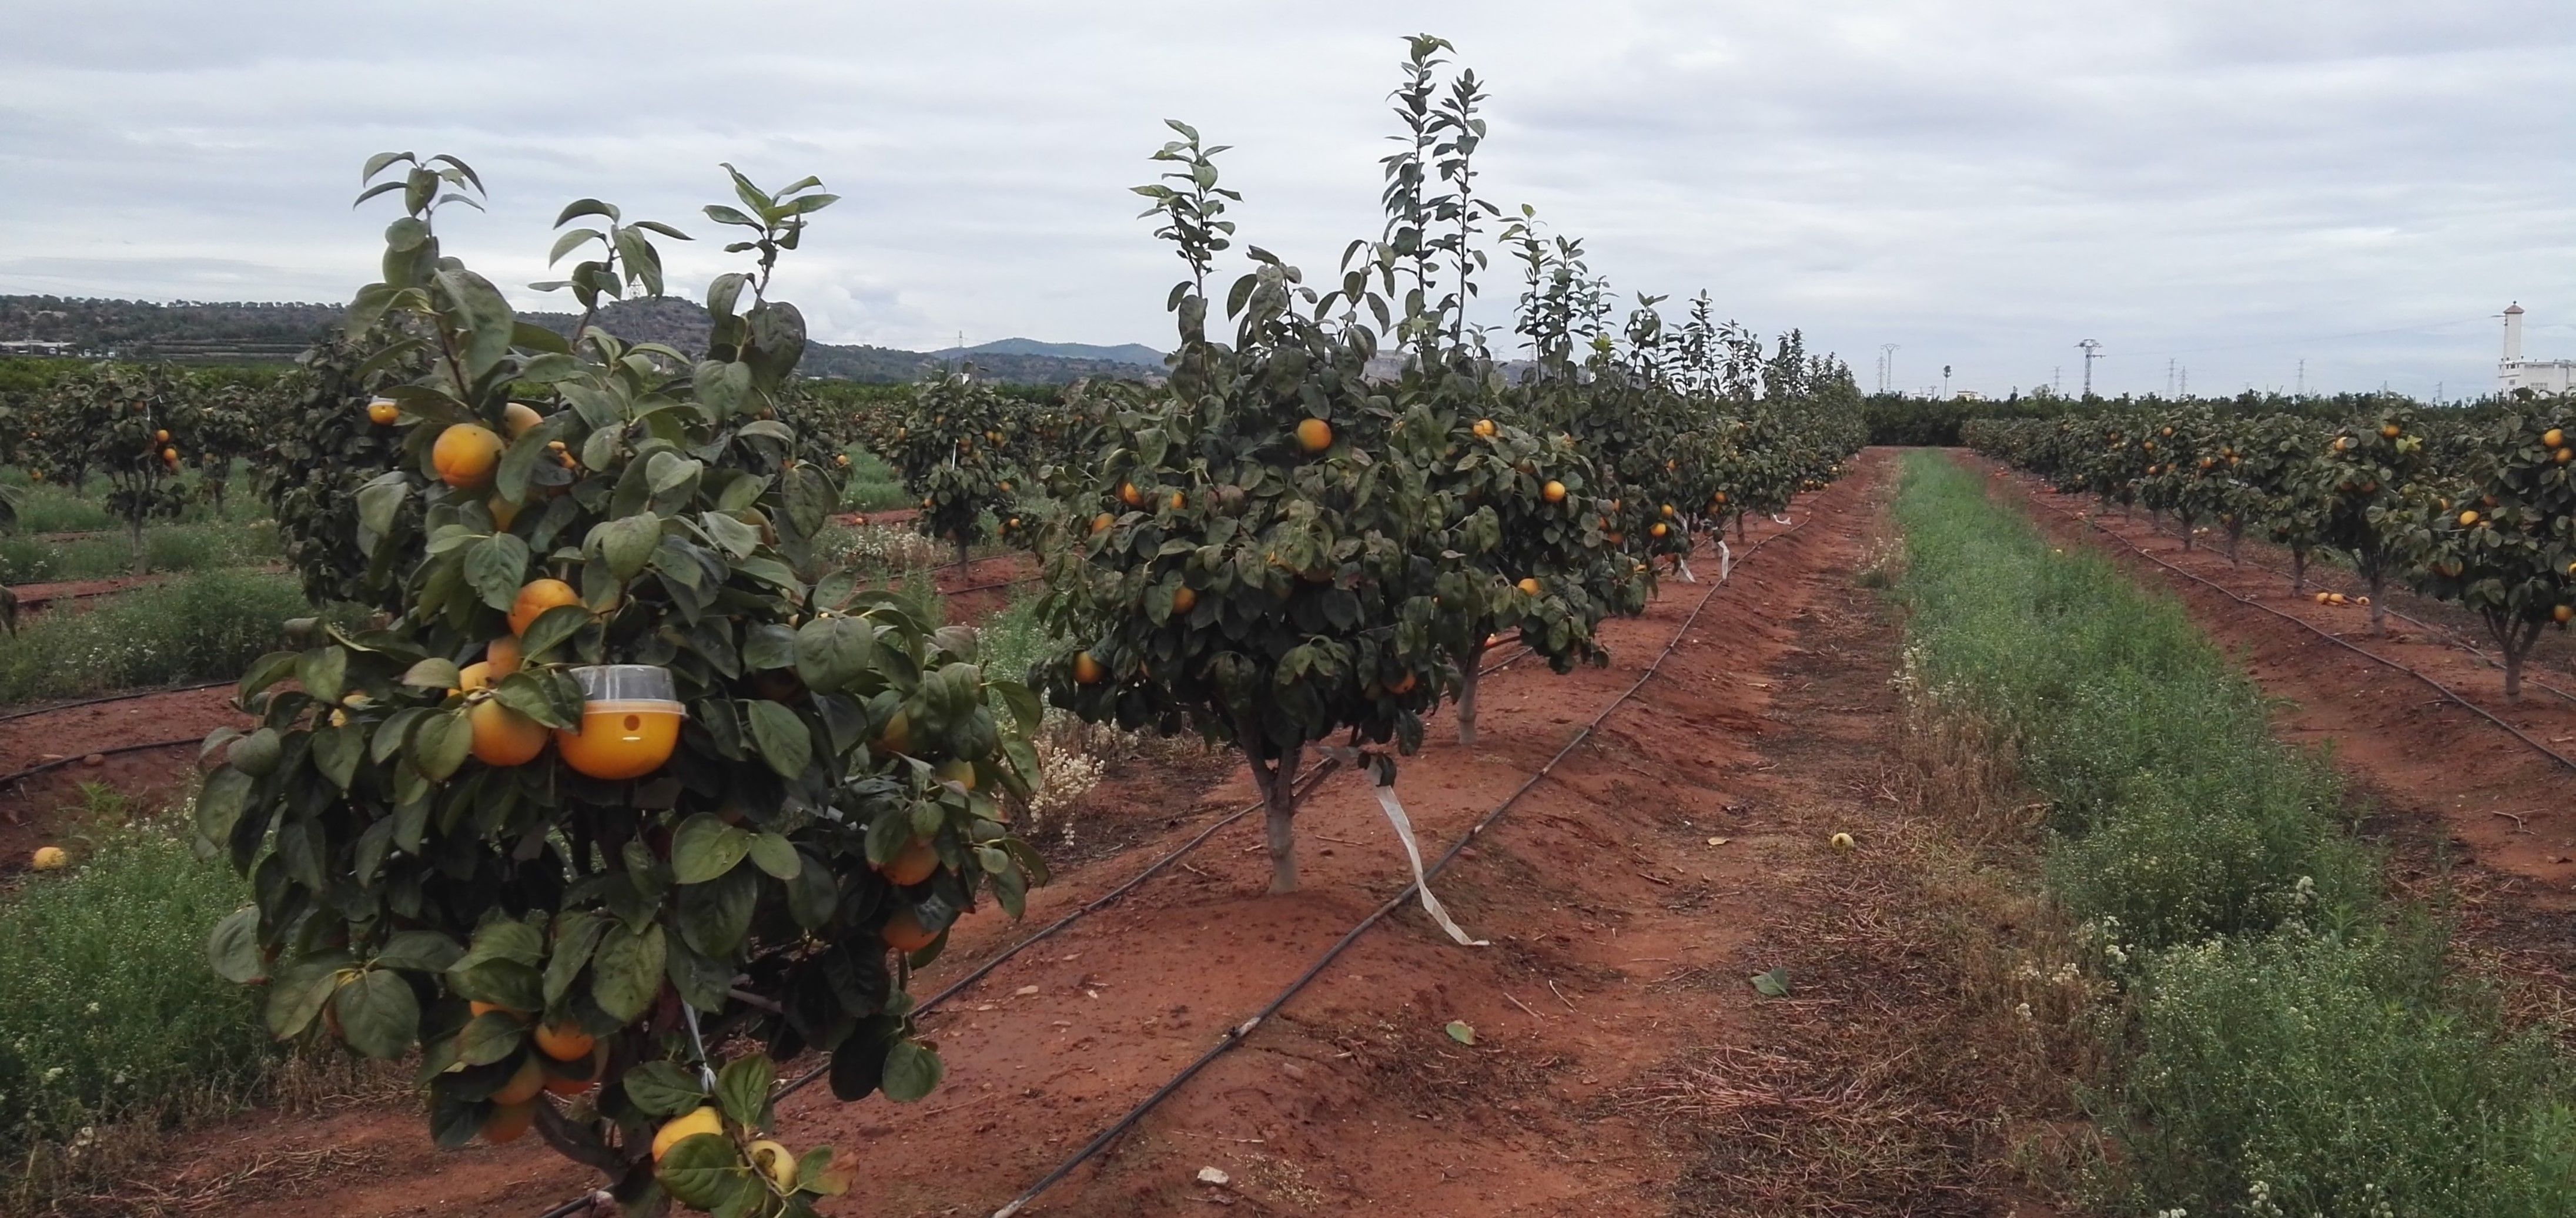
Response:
column 2539, row 376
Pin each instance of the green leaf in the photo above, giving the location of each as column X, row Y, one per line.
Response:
column 379, row 505
column 768, row 645
column 421, row 950
column 321, row 671
column 742, row 1090
column 233, row 947
column 526, row 693
column 505, row 939
column 255, row 754
column 911, row 1071
column 551, row 629
column 781, row 736
column 490, row 1037
column 834, row 651
column 266, row 671
column 704, row 848
column 297, row 995
column 664, row 1089
column 776, row 855
column 507, row 984
column 496, row 566
column 1460, row 1032
column 1772, row 984
column 440, row 743
column 337, row 752
column 379, row 1015
column 577, row 934
column 219, row 805
column 628, row 542
column 477, row 309
column 626, row 972
column 433, row 673
column 703, row 1171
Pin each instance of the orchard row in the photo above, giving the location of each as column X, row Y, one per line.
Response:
column 627, row 793
column 2475, row 510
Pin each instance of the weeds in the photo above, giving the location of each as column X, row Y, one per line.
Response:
column 206, row 625
column 111, row 1007
column 873, row 485
column 170, row 547
column 2286, row 1042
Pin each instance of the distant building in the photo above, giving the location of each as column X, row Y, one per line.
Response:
column 2539, row 376
column 34, row 346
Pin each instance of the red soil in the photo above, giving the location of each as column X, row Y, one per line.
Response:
column 35, row 812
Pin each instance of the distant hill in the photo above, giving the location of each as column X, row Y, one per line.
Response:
column 684, row 324
column 185, row 330
column 257, row 332
column 1124, row 353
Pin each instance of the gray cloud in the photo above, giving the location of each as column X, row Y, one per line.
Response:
column 2230, row 186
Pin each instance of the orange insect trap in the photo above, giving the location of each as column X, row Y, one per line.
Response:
column 630, row 721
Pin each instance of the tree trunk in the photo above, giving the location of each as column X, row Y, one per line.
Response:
column 2235, row 537
column 1467, row 682
column 961, row 550
column 1277, row 783
column 2298, row 569
column 2514, row 639
column 142, row 558
column 2186, row 531
column 1739, row 528
column 2378, row 623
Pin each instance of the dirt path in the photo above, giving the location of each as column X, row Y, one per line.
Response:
column 2448, row 783
column 1629, row 897
column 36, row 811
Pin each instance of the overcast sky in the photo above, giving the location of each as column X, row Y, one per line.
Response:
column 2233, row 186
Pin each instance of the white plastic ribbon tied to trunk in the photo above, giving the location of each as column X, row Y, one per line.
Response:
column 1725, row 561
column 1384, row 789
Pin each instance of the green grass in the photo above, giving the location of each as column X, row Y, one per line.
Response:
column 47, row 508
column 201, row 546
column 196, row 627
column 873, row 486
column 1012, row 640
column 112, row 1010
column 2290, row 1043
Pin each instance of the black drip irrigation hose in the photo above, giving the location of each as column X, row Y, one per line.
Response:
column 1236, row 1035
column 127, row 696
column 2446, row 632
column 59, row 762
column 2365, row 653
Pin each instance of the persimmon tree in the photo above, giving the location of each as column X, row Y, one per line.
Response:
column 2499, row 542
column 611, row 790
column 2360, row 484
column 327, row 435
column 220, row 426
column 1247, row 560
column 1526, row 542
column 117, row 420
column 953, row 442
